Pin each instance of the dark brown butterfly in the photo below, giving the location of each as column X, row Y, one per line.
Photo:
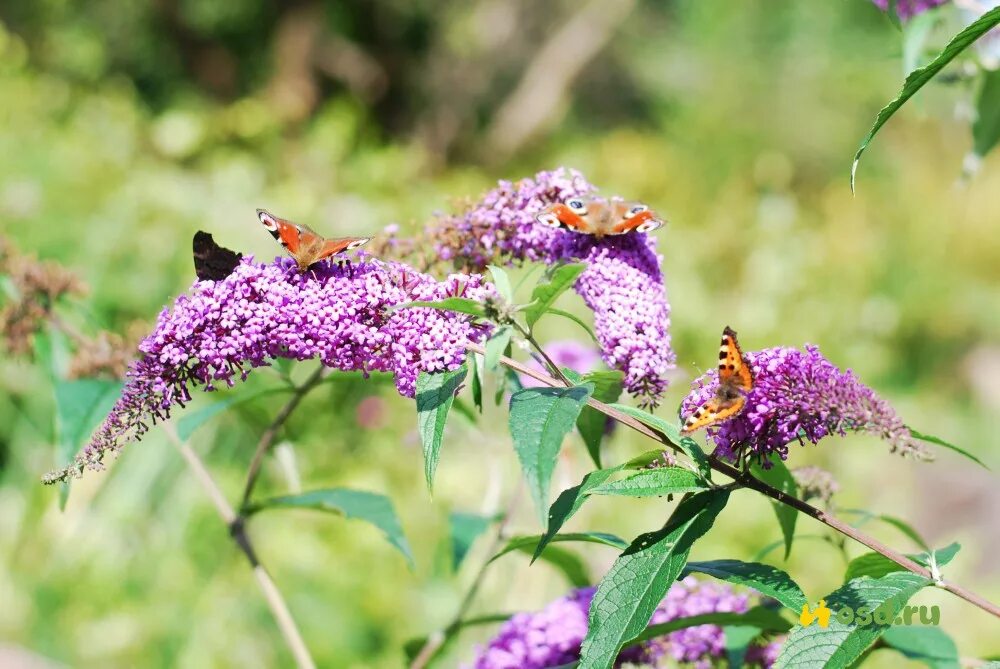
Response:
column 599, row 217
column 211, row 261
column 735, row 381
column 305, row 244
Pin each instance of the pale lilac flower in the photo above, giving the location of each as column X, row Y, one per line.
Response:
column 341, row 314
column 799, row 396
column 622, row 284
column 553, row 636
column 909, row 8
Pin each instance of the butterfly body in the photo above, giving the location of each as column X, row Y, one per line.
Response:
column 735, row 382
column 599, row 217
column 303, row 243
column 211, row 261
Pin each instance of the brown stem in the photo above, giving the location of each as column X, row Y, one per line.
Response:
column 271, row 433
column 553, row 367
column 749, row 481
column 279, row 609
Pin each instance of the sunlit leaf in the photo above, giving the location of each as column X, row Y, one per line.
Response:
column 462, row 305
column 653, row 482
column 765, row 579
column 924, row 643
column 779, row 477
column 672, row 432
column 435, row 394
column 941, row 442
column 547, row 292
column 502, row 282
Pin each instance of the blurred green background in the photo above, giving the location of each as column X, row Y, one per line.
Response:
column 126, row 126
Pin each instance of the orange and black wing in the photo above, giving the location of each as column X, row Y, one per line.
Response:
column 569, row 215
column 735, row 378
column 634, row 216
column 733, row 368
column 713, row 411
column 292, row 236
column 211, row 261
column 334, row 246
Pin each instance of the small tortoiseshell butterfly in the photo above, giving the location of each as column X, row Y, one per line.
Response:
column 211, row 261
column 735, row 381
column 305, row 244
column 599, row 217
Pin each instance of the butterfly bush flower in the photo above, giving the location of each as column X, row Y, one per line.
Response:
column 622, row 284
column 909, row 8
column 553, row 636
column 341, row 314
column 799, row 395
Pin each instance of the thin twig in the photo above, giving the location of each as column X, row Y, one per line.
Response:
column 753, row 483
column 279, row 609
column 553, row 367
column 271, row 433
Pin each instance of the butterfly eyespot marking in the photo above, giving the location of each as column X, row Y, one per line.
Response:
column 358, row 243
column 269, row 221
column 637, row 209
column 649, row 226
column 550, row 220
column 577, row 206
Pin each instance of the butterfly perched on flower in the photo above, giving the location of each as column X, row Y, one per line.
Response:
column 305, row 244
column 735, row 381
column 599, row 217
column 211, row 261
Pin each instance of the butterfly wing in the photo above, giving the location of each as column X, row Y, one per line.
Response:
column 334, row 246
column 634, row 216
column 211, row 261
column 293, row 236
column 735, row 379
column 713, row 411
column 733, row 368
column 568, row 216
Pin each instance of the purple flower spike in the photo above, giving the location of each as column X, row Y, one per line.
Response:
column 338, row 313
column 623, row 284
column 799, row 395
column 553, row 636
column 909, row 8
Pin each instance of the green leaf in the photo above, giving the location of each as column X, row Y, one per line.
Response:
column 877, row 565
column 737, row 640
column 81, row 404
column 986, row 127
column 192, row 420
column 929, row 645
column 529, row 544
column 569, row 564
column 653, row 483
column 917, row 78
column 766, row 550
column 898, row 523
column 779, row 477
column 569, row 502
column 462, row 305
column 639, row 579
column 435, row 394
column 508, row 380
column 765, row 579
column 673, row 434
column 502, row 282
column 759, row 617
column 592, row 424
column 941, row 442
column 840, row 644
column 547, row 292
column 464, row 529
column 496, row 345
column 476, row 363
column 575, row 319
column 915, row 34
column 368, row 506
column 540, row 418
column 942, row 556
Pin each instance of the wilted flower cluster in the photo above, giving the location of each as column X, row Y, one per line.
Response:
column 909, row 8
column 553, row 636
column 799, row 395
column 622, row 284
column 341, row 314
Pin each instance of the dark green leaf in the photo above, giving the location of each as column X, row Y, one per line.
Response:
column 80, row 405
column 673, row 434
column 502, row 282
column 569, row 564
column 736, row 640
column 462, row 305
column 192, row 420
column 569, row 502
column 765, row 579
column 547, row 292
column 759, row 617
column 941, row 442
column 929, row 645
column 540, row 418
column 496, row 345
column 653, row 483
column 435, row 394
column 840, row 644
column 639, row 579
column 898, row 523
column 592, row 424
column 986, row 128
column 464, row 529
column 575, row 319
column 917, row 78
column 779, row 477
column 476, row 363
column 529, row 544
column 368, row 506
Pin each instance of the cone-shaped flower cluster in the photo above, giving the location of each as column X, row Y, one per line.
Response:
column 341, row 314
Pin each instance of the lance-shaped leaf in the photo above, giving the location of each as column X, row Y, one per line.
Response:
column 875, row 601
column 639, row 579
column 779, row 477
column 540, row 418
column 593, row 424
column 435, row 394
column 759, row 617
column 502, row 282
column 941, row 442
column 546, row 293
column 572, row 567
column 986, row 128
column 461, row 305
column 80, row 406
column 763, row 578
column 926, row 644
column 653, row 483
column 569, row 502
column 915, row 80
column 673, row 435
column 496, row 345
column 368, row 506
column 877, row 565
column 464, row 529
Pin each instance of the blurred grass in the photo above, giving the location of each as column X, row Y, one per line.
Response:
column 738, row 123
